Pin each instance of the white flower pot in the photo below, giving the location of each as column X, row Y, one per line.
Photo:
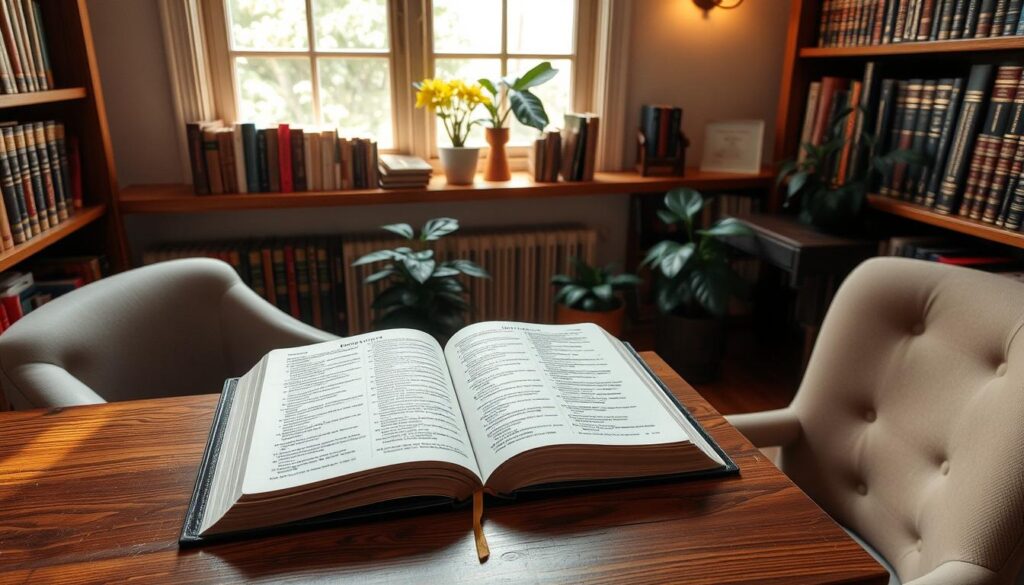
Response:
column 459, row 164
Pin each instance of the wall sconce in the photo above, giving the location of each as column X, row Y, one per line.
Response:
column 707, row 5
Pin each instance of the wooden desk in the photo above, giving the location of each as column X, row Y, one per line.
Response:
column 97, row 494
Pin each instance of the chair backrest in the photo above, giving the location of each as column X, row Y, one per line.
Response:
column 161, row 330
column 912, row 415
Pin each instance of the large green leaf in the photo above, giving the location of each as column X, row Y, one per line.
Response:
column 668, row 217
column 421, row 270
column 469, row 268
column 488, row 85
column 729, row 226
column 574, row 294
column 441, row 226
column 381, row 275
column 377, row 257
column 561, row 279
column 658, row 250
column 534, row 77
column 445, row 271
column 624, row 280
column 671, row 264
column 402, row 229
column 684, row 202
column 603, row 292
column 711, row 289
column 796, row 182
column 528, row 109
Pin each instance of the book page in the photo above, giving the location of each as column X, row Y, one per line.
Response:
column 523, row 386
column 346, row 406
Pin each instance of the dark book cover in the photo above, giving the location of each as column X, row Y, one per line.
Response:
column 70, row 166
column 267, row 261
column 64, row 204
column 23, row 135
column 1013, row 206
column 890, row 104
column 256, row 278
column 313, row 275
column 877, row 21
column 251, row 153
column 327, row 294
column 945, row 140
column 901, row 21
column 990, row 201
column 945, row 19
column 280, row 278
column 11, row 204
column 960, row 10
column 273, row 160
column 927, row 13
column 211, row 151
column 197, row 160
column 1013, row 11
column 999, row 18
column 675, row 127
column 27, row 184
column 298, row 160
column 940, row 111
column 868, row 110
column 905, row 138
column 975, row 92
column 292, row 280
column 20, row 186
column 889, row 25
column 284, row 157
column 922, row 126
column 985, row 13
column 262, row 172
column 987, row 146
column 649, row 126
column 302, row 283
column 226, row 146
column 358, row 163
column 37, row 142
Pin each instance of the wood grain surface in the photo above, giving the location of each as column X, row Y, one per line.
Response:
column 97, row 494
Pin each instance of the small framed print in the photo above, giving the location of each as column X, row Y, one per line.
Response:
column 733, row 146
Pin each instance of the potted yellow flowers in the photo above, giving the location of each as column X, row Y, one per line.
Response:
column 453, row 102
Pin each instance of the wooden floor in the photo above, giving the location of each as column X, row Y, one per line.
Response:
column 756, row 375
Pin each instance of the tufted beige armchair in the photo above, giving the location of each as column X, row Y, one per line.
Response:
column 173, row 328
column 908, row 427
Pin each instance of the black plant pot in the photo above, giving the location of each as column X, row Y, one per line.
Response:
column 693, row 347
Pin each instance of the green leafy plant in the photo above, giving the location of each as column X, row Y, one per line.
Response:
column 522, row 102
column 826, row 203
column 592, row 288
column 694, row 277
column 421, row 292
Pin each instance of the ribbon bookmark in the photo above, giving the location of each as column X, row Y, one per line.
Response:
column 482, row 550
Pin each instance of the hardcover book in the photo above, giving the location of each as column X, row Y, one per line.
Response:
column 390, row 421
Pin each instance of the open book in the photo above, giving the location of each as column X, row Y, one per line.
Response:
column 391, row 417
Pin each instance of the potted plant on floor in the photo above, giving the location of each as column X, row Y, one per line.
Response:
column 454, row 102
column 592, row 295
column 522, row 102
column 694, row 286
column 422, row 291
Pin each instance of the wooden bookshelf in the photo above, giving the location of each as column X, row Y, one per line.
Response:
column 963, row 225
column 24, row 251
column 998, row 44
column 181, row 199
column 41, row 97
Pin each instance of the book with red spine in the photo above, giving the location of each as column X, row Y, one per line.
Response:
column 284, row 156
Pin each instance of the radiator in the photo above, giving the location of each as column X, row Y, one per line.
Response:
column 521, row 263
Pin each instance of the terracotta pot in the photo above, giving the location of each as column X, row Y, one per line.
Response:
column 459, row 163
column 611, row 321
column 693, row 347
column 497, row 161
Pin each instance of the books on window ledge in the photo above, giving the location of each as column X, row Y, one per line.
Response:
column 852, row 23
column 245, row 159
column 24, row 60
column 389, row 421
column 40, row 180
column 544, row 160
column 579, row 146
column 401, row 171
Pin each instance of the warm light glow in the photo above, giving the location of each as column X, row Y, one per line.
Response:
column 707, row 5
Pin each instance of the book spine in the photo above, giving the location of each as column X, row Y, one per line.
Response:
column 292, row 281
column 1013, row 11
column 64, row 204
column 883, row 121
column 989, row 138
column 316, row 308
column 951, row 188
column 16, row 146
column 901, row 21
column 949, row 116
column 24, row 47
column 302, row 283
column 284, row 157
column 250, row 154
column 945, row 19
column 1013, row 207
column 905, row 139
column 998, row 19
column 849, row 129
column 675, row 124
column 298, row 160
column 12, row 206
column 267, row 261
column 226, row 150
column 307, row 157
column 273, row 161
column 261, row 161
column 256, row 279
column 889, row 24
column 281, row 279
column 922, row 126
column 25, row 218
column 197, row 159
column 924, row 27
column 878, row 22
column 11, row 48
column 986, row 10
column 44, row 51
column 35, row 44
column 26, row 141
column 990, row 203
column 959, row 19
column 38, row 141
column 238, row 145
column 823, row 32
column 327, row 294
column 213, row 168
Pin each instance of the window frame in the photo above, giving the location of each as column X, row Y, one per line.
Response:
column 411, row 58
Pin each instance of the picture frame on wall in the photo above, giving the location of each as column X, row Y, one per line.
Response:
column 733, row 146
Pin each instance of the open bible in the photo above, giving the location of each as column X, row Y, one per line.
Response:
column 391, row 420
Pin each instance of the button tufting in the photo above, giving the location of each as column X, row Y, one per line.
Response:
column 1001, row 370
column 870, row 415
column 862, row 489
column 944, row 468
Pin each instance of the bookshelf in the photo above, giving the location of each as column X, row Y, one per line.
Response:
column 805, row 62
column 180, row 198
column 77, row 101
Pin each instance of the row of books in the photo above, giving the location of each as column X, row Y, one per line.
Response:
column 245, row 159
column 955, row 252
column 23, row 292
column 662, row 130
column 850, row 23
column 24, row 60
column 303, row 277
column 544, row 160
column 40, row 178
column 579, row 146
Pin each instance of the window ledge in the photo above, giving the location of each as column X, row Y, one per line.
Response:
column 180, row 199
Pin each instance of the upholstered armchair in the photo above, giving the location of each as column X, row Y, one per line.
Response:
column 173, row 328
column 908, row 427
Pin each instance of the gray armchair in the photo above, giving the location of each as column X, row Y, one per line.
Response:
column 173, row 328
column 908, row 428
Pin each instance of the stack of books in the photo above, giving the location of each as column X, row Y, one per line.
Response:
column 545, row 158
column 245, row 159
column 579, row 146
column 402, row 171
column 24, row 60
column 662, row 128
column 851, row 23
column 23, row 292
column 39, row 179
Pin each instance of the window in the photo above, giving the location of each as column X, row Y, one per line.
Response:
column 351, row 63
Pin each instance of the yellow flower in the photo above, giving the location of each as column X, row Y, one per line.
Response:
column 436, row 93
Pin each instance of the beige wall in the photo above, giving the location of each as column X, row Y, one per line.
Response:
column 725, row 66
